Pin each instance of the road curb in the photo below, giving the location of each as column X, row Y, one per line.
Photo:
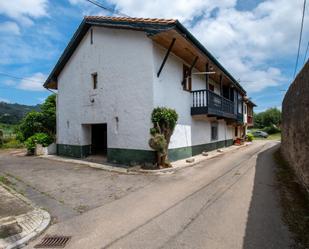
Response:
column 90, row 164
column 198, row 159
column 32, row 223
column 177, row 165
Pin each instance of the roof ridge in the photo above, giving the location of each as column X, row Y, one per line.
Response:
column 131, row 19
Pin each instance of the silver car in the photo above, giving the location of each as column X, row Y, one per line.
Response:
column 260, row 134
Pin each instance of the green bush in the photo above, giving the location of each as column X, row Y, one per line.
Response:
column 164, row 121
column 164, row 117
column 38, row 138
column 158, row 143
column 250, row 137
column 271, row 129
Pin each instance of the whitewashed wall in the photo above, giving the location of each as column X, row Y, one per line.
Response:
column 122, row 60
column 168, row 92
column 128, row 89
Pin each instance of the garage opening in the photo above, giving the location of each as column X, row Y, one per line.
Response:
column 99, row 139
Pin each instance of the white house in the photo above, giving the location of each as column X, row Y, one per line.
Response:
column 115, row 71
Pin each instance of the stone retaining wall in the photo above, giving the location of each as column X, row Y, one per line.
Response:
column 295, row 126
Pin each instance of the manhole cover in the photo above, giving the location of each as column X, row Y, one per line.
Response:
column 50, row 241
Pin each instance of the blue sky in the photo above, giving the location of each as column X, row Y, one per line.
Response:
column 255, row 40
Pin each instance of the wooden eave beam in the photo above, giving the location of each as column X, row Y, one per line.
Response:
column 166, row 56
column 193, row 63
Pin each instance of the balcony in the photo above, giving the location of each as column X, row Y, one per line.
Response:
column 216, row 106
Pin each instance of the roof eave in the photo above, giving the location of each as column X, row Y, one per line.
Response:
column 83, row 27
column 185, row 31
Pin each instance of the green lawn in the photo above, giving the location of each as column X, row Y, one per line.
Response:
column 276, row 136
column 7, row 129
column 9, row 136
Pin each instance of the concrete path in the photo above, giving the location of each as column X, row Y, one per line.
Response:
column 66, row 190
column 228, row 202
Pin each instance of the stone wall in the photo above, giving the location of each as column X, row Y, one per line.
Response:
column 295, row 126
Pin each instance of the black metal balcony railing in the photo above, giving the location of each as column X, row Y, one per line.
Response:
column 215, row 106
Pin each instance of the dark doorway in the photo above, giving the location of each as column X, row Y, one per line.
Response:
column 98, row 139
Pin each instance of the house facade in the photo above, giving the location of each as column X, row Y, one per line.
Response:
column 248, row 114
column 115, row 71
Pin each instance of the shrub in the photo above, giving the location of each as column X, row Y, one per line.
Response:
column 271, row 129
column 250, row 137
column 158, row 143
column 164, row 117
column 164, row 121
column 38, row 138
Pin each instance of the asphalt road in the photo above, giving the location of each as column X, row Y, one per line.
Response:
column 226, row 202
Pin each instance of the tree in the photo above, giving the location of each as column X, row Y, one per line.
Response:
column 36, row 122
column 49, row 115
column 270, row 117
column 30, row 124
column 164, row 121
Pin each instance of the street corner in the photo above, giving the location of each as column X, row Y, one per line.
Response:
column 20, row 220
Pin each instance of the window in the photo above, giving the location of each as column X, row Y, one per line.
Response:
column 240, row 104
column 91, row 36
column 211, row 87
column 187, row 80
column 95, row 80
column 214, row 131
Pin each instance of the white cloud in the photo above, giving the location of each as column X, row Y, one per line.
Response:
column 9, row 27
column 248, row 43
column 23, row 10
column 33, row 83
column 182, row 9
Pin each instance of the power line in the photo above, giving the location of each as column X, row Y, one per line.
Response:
column 98, row 4
column 300, row 37
column 19, row 78
column 306, row 53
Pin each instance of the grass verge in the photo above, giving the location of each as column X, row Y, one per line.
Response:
column 295, row 202
column 276, row 136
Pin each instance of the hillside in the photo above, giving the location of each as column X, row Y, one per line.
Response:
column 13, row 113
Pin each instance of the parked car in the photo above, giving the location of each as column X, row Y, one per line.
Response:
column 260, row 134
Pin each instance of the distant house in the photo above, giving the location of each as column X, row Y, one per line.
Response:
column 115, row 71
column 248, row 114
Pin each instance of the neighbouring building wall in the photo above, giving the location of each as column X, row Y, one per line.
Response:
column 191, row 135
column 295, row 123
column 123, row 99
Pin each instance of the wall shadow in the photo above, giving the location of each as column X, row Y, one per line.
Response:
column 265, row 228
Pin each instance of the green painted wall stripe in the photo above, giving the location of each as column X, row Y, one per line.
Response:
column 184, row 152
column 129, row 156
column 133, row 157
column 78, row 151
